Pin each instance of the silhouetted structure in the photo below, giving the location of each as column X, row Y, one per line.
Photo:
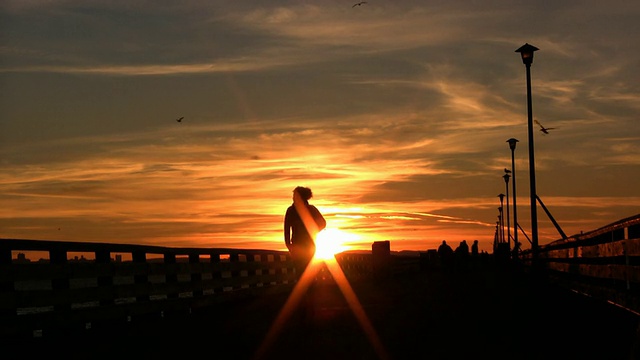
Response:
column 381, row 259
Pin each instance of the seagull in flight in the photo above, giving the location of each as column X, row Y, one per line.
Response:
column 542, row 128
column 180, row 119
column 358, row 4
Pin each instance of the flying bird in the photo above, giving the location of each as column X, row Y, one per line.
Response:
column 542, row 128
column 358, row 4
column 180, row 119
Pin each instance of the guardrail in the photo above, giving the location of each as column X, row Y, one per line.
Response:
column 603, row 263
column 70, row 286
column 53, row 287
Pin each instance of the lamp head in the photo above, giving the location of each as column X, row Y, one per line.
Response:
column 526, row 51
column 506, row 177
column 512, row 143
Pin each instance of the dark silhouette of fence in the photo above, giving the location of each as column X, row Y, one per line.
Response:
column 603, row 263
column 577, row 299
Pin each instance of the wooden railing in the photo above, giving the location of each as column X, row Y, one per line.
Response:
column 70, row 285
column 51, row 286
column 604, row 263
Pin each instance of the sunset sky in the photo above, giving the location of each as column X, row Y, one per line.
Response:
column 395, row 113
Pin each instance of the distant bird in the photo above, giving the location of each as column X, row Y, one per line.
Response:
column 180, row 119
column 358, row 4
column 542, row 128
column 507, row 171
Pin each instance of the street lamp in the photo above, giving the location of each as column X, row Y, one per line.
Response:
column 506, row 185
column 500, row 209
column 512, row 145
column 496, row 237
column 526, row 51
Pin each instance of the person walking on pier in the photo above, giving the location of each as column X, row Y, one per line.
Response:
column 474, row 249
column 462, row 256
column 302, row 222
column 475, row 255
column 446, row 256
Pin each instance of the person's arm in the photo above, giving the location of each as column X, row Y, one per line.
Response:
column 287, row 229
column 317, row 216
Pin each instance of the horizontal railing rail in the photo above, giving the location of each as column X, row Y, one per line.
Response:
column 603, row 263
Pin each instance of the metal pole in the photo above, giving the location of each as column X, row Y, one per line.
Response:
column 532, row 171
column 506, row 185
column 500, row 211
column 515, row 209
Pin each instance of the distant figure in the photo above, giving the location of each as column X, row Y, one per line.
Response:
column 475, row 255
column 446, row 255
column 462, row 255
column 463, row 248
column 180, row 119
column 302, row 222
column 474, row 248
column 516, row 251
column 359, row 4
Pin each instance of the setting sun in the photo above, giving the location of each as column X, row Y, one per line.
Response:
column 330, row 242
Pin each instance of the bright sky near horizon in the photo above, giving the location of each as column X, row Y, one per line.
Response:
column 395, row 113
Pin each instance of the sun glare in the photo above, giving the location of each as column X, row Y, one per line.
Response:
column 330, row 242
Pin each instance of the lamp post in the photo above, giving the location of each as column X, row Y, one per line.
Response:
column 512, row 145
column 496, row 237
column 506, row 185
column 500, row 212
column 526, row 51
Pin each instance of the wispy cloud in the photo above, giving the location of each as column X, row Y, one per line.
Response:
column 396, row 114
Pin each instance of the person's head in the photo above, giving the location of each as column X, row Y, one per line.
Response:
column 304, row 192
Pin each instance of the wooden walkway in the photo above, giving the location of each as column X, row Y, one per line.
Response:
column 478, row 314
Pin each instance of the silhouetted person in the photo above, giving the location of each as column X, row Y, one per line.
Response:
column 475, row 255
column 516, row 250
column 515, row 257
column 302, row 222
column 446, row 255
column 474, row 248
column 462, row 255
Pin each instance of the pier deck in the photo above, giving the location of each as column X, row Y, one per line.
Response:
column 481, row 313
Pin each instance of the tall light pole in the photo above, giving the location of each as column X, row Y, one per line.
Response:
column 506, row 185
column 500, row 211
column 496, row 237
column 512, row 145
column 526, row 51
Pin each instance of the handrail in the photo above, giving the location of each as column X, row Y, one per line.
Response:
column 121, row 283
column 603, row 263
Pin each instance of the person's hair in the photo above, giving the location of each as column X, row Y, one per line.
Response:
column 305, row 192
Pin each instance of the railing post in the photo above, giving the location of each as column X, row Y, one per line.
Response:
column 103, row 259
column 140, row 279
column 217, row 274
column 196, row 277
column 58, row 258
column 5, row 256
column 171, row 277
column 7, row 286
